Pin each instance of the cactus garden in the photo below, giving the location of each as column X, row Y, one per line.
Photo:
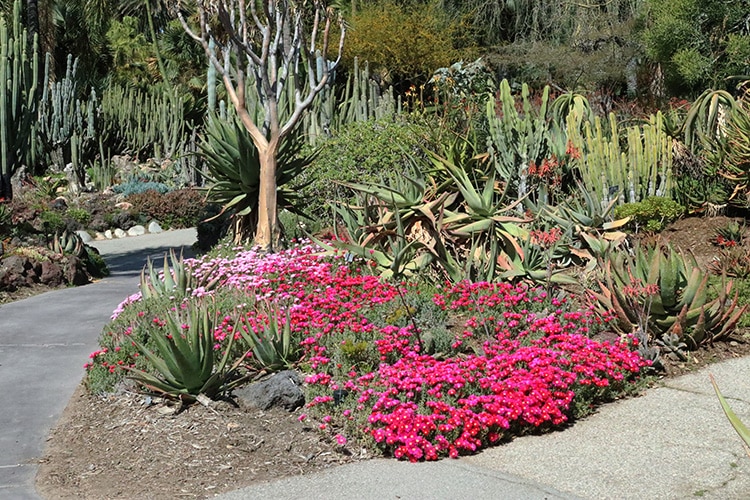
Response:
column 445, row 251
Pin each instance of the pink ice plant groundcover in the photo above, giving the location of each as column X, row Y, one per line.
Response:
column 517, row 360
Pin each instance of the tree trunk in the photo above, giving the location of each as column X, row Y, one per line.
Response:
column 268, row 232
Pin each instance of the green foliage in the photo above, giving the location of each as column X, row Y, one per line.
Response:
column 52, row 221
column 652, row 214
column 234, row 169
column 610, row 171
column 181, row 208
column 401, row 42
column 152, row 123
column 274, row 347
column 134, row 187
column 184, row 363
column 174, row 281
column 732, row 261
column 131, row 53
column 67, row 123
column 373, row 151
column 79, row 215
column 104, row 372
column 737, row 161
column 19, row 72
column 698, row 42
column 452, row 217
column 738, row 425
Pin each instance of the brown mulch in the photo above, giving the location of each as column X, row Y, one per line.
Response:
column 123, row 447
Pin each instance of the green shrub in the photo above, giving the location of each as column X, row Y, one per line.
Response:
column 373, row 151
column 52, row 222
column 79, row 215
column 652, row 214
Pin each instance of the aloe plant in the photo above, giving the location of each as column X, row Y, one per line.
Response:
column 680, row 309
column 185, row 364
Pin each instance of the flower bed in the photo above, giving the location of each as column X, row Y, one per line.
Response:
column 503, row 358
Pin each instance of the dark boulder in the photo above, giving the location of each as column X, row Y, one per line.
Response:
column 283, row 389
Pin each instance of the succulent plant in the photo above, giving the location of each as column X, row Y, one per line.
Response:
column 185, row 363
column 68, row 243
column 675, row 287
column 173, row 280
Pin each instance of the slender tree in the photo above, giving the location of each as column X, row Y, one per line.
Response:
column 277, row 43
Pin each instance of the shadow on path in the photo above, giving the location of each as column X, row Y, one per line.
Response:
column 45, row 341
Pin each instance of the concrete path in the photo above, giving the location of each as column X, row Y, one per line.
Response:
column 673, row 442
column 44, row 342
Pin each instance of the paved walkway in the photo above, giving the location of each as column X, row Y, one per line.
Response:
column 673, row 442
column 44, row 342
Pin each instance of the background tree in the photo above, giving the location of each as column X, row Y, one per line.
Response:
column 277, row 43
column 699, row 43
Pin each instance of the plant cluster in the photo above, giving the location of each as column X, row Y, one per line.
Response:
column 517, row 358
column 174, row 209
column 651, row 215
column 663, row 295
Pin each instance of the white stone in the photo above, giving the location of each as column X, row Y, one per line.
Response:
column 85, row 236
column 137, row 230
column 119, row 233
column 101, row 236
column 108, row 234
column 154, row 227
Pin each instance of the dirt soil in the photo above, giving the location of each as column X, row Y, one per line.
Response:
column 122, row 447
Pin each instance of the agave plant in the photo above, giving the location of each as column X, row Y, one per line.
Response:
column 68, row 243
column 273, row 348
column 680, row 310
column 184, row 362
column 173, row 280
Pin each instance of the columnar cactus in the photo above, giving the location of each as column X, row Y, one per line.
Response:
column 19, row 65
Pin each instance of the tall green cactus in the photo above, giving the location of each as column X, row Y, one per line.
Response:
column 144, row 123
column 19, row 64
column 643, row 169
column 362, row 100
column 67, row 128
column 518, row 138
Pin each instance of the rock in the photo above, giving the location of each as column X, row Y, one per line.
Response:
column 108, row 234
column 51, row 274
column 119, row 233
column 137, row 230
column 280, row 389
column 154, row 227
column 12, row 273
column 85, row 236
column 58, row 203
column 102, row 236
column 75, row 271
column 124, row 205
